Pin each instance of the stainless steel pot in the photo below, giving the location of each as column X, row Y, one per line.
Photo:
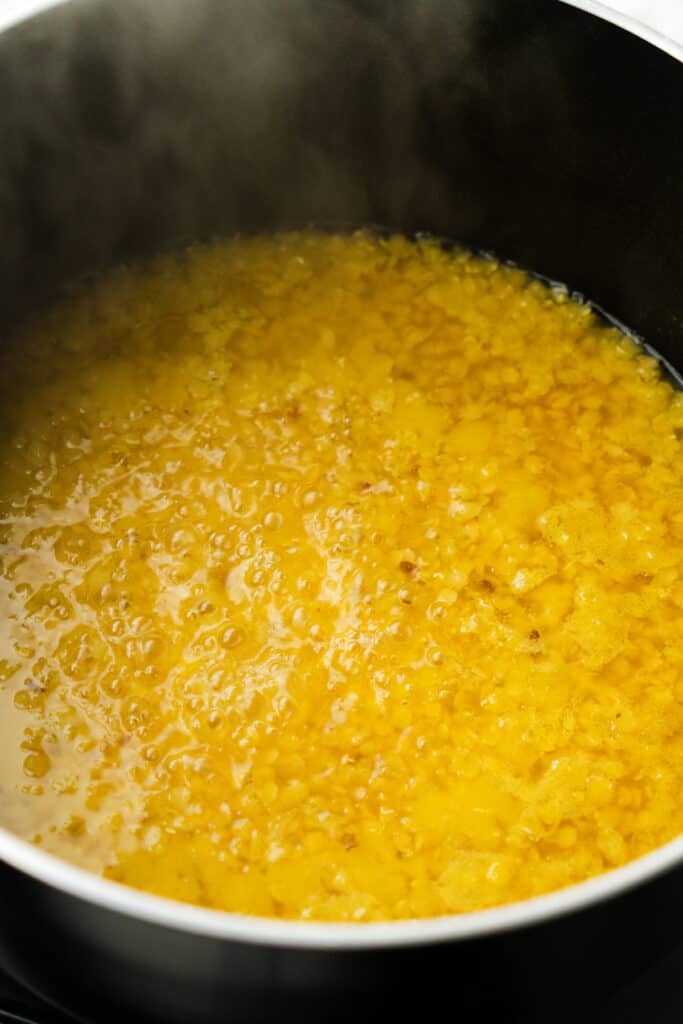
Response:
column 527, row 128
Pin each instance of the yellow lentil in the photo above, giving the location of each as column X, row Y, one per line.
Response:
column 340, row 579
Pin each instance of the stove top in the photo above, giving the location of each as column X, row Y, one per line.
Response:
column 655, row 997
column 17, row 1006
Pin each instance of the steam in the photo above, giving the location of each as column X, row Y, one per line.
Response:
column 130, row 126
column 127, row 127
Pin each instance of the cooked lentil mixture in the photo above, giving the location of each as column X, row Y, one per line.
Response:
column 340, row 579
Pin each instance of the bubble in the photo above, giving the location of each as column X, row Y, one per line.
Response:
column 37, row 764
column 232, row 637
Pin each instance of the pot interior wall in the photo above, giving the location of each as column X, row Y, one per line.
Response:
column 529, row 129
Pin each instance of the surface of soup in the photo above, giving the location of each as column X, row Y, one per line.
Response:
column 340, row 579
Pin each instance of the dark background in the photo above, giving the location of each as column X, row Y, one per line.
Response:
column 656, row 997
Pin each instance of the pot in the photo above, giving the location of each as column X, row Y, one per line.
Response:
column 530, row 129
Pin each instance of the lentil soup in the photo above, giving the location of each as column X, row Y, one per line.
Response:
column 340, row 579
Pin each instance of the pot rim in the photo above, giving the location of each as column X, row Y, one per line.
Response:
column 631, row 24
column 201, row 921
column 220, row 924
column 15, row 11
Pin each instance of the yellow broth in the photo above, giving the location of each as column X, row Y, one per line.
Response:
column 340, row 579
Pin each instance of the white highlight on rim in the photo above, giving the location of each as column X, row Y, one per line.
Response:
column 76, row 882
column 13, row 11
column 632, row 24
column 219, row 924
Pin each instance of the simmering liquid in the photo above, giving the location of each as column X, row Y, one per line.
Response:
column 340, row 578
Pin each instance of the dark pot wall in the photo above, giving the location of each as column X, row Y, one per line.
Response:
column 112, row 968
column 524, row 127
